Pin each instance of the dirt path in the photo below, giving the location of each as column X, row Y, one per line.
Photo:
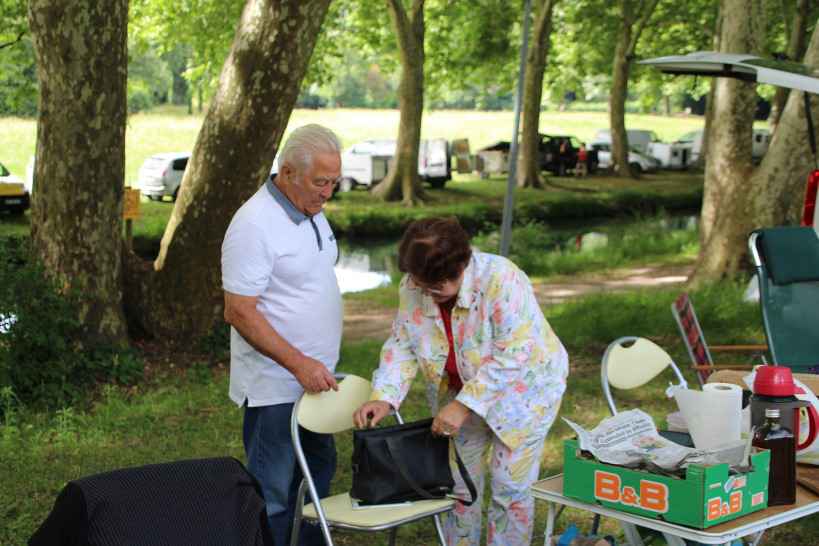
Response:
column 362, row 320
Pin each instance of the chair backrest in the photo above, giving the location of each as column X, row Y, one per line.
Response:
column 206, row 502
column 631, row 362
column 787, row 263
column 693, row 337
column 331, row 411
column 327, row 412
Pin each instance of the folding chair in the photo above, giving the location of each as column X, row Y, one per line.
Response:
column 628, row 363
column 700, row 352
column 787, row 265
column 208, row 502
column 331, row 412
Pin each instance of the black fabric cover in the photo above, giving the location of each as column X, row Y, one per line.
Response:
column 790, row 254
column 199, row 502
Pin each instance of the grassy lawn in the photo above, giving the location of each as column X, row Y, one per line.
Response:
column 171, row 129
column 183, row 411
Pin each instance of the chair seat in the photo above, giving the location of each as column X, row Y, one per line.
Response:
column 340, row 513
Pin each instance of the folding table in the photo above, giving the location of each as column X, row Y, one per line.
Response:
column 807, row 503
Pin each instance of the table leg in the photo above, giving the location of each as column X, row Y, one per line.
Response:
column 672, row 540
column 550, row 525
column 631, row 533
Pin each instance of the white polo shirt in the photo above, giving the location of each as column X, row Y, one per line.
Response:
column 275, row 252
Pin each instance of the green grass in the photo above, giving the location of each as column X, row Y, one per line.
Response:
column 184, row 412
column 170, row 129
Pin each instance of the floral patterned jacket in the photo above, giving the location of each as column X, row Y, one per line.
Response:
column 512, row 364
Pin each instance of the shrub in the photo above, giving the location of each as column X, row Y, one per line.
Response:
column 43, row 357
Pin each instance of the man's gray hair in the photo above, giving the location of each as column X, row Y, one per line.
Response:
column 305, row 142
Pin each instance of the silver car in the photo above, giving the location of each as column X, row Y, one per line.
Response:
column 161, row 175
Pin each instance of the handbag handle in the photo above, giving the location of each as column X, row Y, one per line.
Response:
column 402, row 469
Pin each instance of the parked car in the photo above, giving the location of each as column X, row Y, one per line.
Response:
column 639, row 162
column 558, row 155
column 366, row 163
column 161, row 175
column 14, row 198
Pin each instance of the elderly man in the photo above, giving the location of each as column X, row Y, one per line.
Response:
column 284, row 305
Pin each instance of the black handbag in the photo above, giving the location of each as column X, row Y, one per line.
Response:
column 404, row 463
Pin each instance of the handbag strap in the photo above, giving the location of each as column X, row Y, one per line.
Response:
column 394, row 452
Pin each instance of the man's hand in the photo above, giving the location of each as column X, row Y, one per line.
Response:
column 314, row 376
column 450, row 419
column 370, row 413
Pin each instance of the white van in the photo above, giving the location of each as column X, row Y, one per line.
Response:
column 161, row 175
column 759, row 145
column 638, row 139
column 366, row 163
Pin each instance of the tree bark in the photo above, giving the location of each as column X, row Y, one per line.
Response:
column 180, row 293
column 706, row 218
column 739, row 197
column 632, row 23
column 794, row 51
column 617, row 104
column 76, row 223
column 529, row 171
column 402, row 182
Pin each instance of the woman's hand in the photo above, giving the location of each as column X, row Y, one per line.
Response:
column 450, row 419
column 370, row 413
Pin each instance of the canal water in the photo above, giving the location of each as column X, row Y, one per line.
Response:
column 367, row 264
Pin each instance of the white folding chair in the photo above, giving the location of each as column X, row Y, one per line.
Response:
column 331, row 412
column 630, row 362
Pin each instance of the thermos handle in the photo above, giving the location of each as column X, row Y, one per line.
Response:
column 813, row 419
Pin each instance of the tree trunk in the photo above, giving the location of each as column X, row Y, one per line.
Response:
column 728, row 181
column 617, row 104
column 180, row 293
column 76, row 222
column 632, row 23
column 529, row 171
column 706, row 216
column 794, row 51
column 780, row 178
column 402, row 181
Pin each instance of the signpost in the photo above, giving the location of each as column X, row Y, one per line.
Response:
column 130, row 212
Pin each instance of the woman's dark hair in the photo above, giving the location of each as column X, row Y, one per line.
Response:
column 434, row 250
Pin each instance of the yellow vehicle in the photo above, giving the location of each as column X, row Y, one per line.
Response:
column 13, row 195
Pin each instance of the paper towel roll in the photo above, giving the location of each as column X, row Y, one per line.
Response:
column 713, row 415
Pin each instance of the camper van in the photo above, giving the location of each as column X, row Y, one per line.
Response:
column 638, row 139
column 366, row 163
column 761, row 140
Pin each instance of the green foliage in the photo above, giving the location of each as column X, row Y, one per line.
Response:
column 541, row 251
column 44, row 358
column 18, row 71
column 149, row 80
column 205, row 28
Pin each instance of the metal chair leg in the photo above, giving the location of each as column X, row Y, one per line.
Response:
column 297, row 515
column 439, row 529
column 550, row 525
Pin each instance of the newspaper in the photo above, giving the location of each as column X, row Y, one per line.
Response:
column 631, row 439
